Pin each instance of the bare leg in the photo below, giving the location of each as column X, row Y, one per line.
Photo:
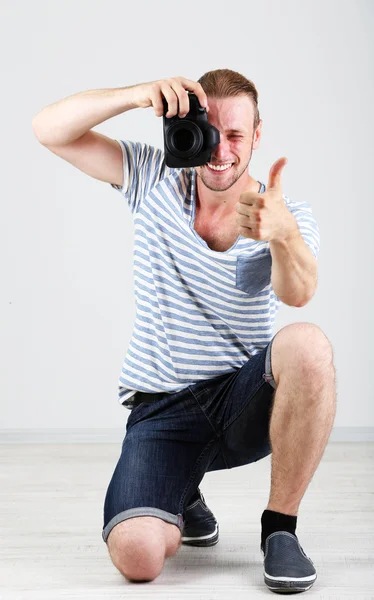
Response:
column 139, row 546
column 302, row 418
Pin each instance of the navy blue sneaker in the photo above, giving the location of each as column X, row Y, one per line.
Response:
column 287, row 569
column 200, row 525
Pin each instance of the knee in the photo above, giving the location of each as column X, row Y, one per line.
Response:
column 306, row 345
column 138, row 549
column 137, row 557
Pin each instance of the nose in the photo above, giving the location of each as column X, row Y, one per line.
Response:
column 223, row 149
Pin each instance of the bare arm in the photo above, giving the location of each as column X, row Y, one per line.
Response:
column 65, row 127
column 70, row 118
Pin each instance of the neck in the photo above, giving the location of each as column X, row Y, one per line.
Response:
column 215, row 203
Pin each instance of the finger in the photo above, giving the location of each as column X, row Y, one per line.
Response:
column 243, row 209
column 243, row 221
column 248, row 198
column 196, row 88
column 274, row 181
column 183, row 99
column 156, row 99
column 172, row 100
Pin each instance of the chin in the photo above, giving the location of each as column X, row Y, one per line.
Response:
column 225, row 184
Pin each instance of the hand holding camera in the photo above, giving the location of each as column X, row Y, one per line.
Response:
column 174, row 90
column 188, row 137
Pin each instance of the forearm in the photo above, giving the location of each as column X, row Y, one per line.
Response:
column 294, row 270
column 70, row 118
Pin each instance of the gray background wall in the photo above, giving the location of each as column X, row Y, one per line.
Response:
column 67, row 303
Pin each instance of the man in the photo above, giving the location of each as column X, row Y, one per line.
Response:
column 208, row 385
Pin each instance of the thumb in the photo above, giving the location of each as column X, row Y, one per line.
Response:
column 275, row 174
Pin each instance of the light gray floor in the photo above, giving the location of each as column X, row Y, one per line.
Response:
column 51, row 520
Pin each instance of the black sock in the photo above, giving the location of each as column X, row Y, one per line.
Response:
column 272, row 521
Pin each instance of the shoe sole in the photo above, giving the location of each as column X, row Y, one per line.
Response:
column 205, row 540
column 286, row 585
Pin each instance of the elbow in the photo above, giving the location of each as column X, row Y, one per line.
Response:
column 293, row 302
column 301, row 304
column 305, row 301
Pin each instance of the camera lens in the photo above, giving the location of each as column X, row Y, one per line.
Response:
column 184, row 139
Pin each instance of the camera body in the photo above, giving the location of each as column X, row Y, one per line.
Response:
column 189, row 142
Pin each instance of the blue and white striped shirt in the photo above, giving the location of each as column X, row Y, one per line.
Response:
column 199, row 313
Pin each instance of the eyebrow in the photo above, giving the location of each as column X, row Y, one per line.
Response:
column 235, row 131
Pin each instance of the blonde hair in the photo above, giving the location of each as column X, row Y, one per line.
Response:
column 224, row 83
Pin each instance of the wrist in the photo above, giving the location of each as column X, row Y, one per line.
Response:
column 288, row 233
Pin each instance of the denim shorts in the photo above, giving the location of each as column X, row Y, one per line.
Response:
column 172, row 440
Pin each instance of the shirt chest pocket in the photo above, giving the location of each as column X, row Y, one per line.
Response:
column 253, row 274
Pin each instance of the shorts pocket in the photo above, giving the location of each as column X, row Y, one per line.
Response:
column 253, row 274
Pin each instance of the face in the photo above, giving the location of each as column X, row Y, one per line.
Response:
column 233, row 117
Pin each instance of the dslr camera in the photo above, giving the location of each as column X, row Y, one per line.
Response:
column 189, row 142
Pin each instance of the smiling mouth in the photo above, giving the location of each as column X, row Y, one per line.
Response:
column 219, row 168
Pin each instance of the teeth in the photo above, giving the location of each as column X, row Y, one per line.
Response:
column 220, row 167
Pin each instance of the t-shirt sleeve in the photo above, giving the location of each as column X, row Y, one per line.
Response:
column 143, row 167
column 307, row 224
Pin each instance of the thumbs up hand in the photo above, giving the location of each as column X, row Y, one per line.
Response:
column 265, row 216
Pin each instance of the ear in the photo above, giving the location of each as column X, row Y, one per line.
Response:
column 257, row 136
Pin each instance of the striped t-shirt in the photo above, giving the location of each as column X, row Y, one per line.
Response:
column 200, row 313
